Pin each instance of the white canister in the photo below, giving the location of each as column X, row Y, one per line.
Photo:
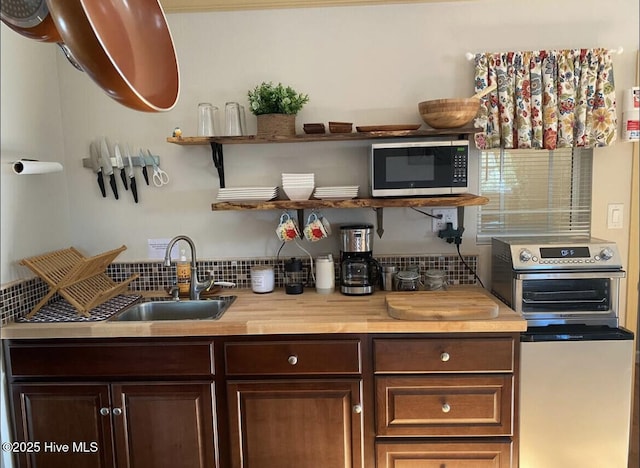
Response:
column 325, row 275
column 262, row 279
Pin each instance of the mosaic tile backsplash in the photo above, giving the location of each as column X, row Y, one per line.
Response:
column 19, row 299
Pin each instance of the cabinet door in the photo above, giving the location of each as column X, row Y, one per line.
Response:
column 64, row 424
column 295, row 423
column 164, row 425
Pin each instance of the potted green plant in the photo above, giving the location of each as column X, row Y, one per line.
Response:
column 276, row 108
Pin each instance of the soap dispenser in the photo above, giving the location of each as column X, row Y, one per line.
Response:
column 183, row 272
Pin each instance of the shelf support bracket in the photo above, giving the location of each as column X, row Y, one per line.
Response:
column 379, row 221
column 218, row 160
column 300, row 212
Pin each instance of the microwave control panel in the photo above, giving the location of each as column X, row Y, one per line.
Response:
column 460, row 157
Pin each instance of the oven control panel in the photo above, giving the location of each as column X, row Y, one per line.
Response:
column 557, row 253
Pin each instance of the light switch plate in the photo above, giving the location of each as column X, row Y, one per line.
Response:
column 615, row 217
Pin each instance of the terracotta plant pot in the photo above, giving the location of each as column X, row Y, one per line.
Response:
column 276, row 125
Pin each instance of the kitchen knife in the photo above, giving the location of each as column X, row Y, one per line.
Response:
column 132, row 176
column 108, row 168
column 95, row 162
column 144, row 167
column 120, row 165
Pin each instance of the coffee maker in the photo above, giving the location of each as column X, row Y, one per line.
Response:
column 359, row 271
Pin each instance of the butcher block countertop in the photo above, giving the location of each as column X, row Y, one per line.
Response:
column 279, row 313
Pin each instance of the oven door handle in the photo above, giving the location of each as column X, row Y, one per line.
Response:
column 575, row 301
column 547, row 274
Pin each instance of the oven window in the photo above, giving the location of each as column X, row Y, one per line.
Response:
column 566, row 295
column 535, row 193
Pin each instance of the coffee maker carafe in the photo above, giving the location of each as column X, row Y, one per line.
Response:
column 359, row 271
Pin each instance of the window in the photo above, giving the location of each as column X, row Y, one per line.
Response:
column 535, row 193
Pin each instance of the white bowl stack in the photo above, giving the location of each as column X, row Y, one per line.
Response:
column 341, row 192
column 298, row 186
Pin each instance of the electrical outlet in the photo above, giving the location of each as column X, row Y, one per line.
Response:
column 449, row 215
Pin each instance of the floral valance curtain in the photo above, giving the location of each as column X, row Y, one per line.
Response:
column 546, row 99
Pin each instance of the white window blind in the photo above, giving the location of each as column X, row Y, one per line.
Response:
column 535, row 193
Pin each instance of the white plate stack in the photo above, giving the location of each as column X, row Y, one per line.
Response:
column 298, row 186
column 228, row 194
column 343, row 192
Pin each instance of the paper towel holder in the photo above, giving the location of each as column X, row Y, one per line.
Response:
column 27, row 166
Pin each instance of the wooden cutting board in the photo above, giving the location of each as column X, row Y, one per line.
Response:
column 441, row 305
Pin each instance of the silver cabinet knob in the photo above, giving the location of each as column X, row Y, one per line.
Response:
column 446, row 408
column 444, row 357
column 357, row 409
column 117, row 411
column 104, row 411
column 293, row 360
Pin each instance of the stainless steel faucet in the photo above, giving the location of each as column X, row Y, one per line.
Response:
column 195, row 286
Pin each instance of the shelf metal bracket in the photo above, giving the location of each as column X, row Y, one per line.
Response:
column 379, row 221
column 218, row 160
column 300, row 212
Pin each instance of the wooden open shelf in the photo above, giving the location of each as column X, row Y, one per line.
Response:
column 305, row 138
column 78, row 279
column 466, row 199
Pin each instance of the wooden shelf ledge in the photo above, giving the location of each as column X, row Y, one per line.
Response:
column 466, row 199
column 304, row 138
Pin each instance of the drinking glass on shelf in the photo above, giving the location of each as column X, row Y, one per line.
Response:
column 207, row 119
column 233, row 119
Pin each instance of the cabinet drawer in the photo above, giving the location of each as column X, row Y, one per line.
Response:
column 110, row 360
column 293, row 357
column 444, row 406
column 444, row 355
column 474, row 454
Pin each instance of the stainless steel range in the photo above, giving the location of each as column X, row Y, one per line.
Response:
column 558, row 280
column 575, row 359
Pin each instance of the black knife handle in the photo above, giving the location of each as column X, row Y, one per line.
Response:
column 134, row 189
column 145, row 174
column 101, row 184
column 124, row 178
column 114, row 187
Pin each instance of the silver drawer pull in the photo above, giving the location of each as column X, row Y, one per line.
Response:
column 117, row 411
column 444, row 357
column 293, row 360
column 446, row 408
column 357, row 409
column 104, row 411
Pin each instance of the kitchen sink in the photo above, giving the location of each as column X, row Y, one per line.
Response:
column 205, row 309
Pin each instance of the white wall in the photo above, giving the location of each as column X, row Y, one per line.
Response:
column 34, row 209
column 369, row 65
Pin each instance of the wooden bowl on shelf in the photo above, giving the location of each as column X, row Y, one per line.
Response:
column 449, row 113
column 313, row 128
column 340, row 127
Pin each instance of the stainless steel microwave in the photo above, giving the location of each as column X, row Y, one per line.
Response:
column 419, row 168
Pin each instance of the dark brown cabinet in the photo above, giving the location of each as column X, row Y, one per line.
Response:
column 78, row 404
column 64, row 425
column 137, row 425
column 310, row 417
column 285, row 401
column 446, row 402
column 293, row 424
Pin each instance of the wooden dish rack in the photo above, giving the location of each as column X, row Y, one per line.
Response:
column 80, row 280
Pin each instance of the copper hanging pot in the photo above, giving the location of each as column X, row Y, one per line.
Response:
column 125, row 47
column 30, row 18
